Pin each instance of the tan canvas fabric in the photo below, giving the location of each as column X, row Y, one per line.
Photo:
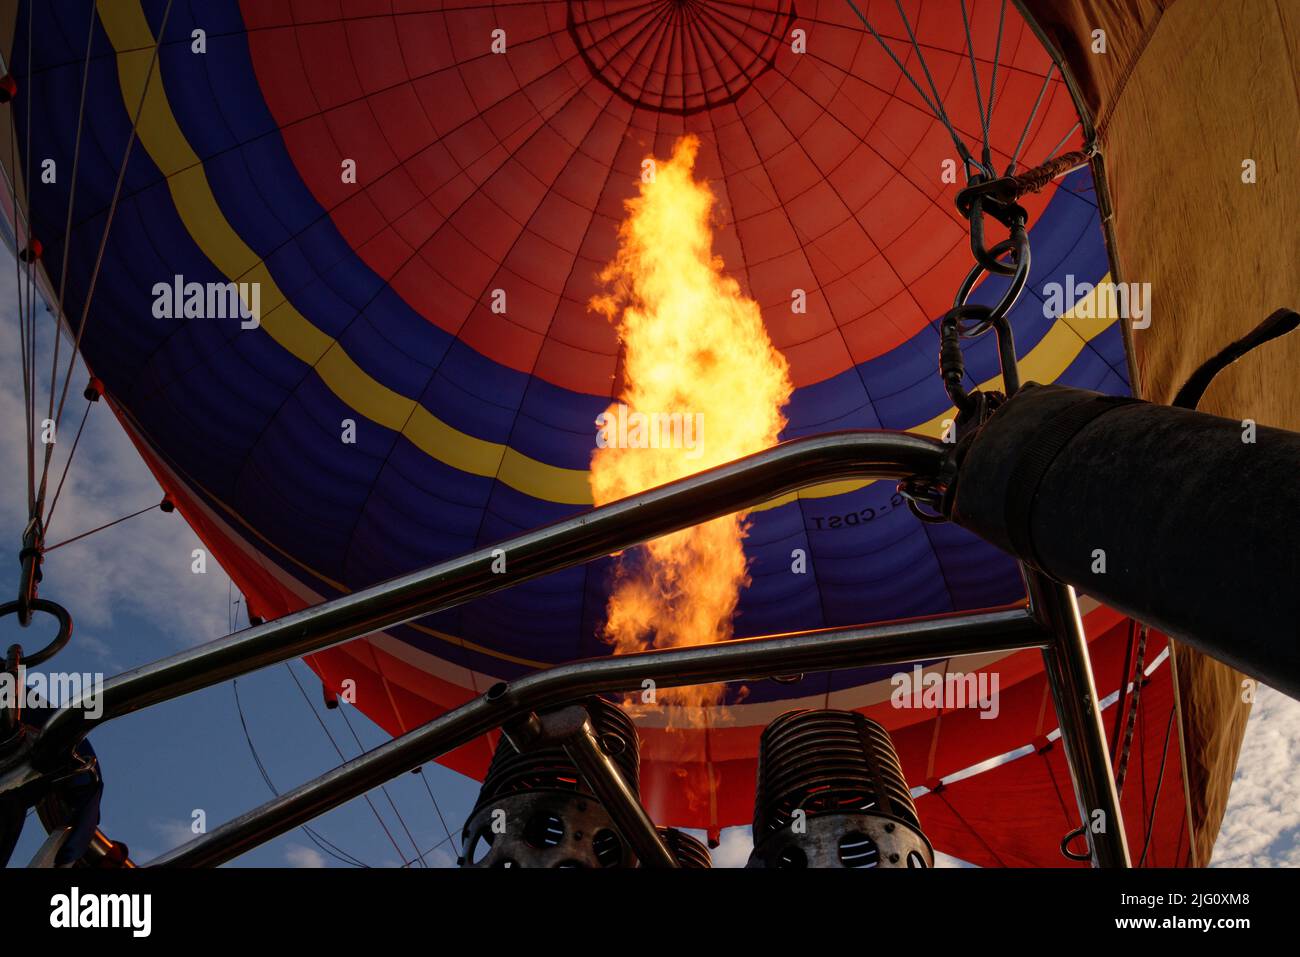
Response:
column 1186, row 92
column 1069, row 24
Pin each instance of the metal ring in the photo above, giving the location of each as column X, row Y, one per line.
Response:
column 61, row 639
column 1018, row 244
column 979, row 315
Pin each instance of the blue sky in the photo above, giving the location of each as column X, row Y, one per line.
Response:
column 135, row 599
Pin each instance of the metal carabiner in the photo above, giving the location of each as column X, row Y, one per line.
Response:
column 952, row 363
column 993, row 197
column 987, row 258
column 996, row 319
column 30, row 557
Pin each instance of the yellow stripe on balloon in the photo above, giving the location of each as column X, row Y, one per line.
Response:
column 161, row 136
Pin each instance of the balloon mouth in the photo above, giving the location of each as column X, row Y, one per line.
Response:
column 679, row 57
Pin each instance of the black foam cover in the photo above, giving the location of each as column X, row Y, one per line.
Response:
column 1199, row 528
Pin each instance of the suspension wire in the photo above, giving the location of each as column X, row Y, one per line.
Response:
column 936, row 107
column 58, row 490
column 323, row 843
column 326, row 846
column 232, row 616
column 21, row 210
column 438, row 810
column 361, row 748
column 979, row 99
column 401, row 855
column 993, row 84
column 22, row 348
column 1074, row 129
column 117, row 521
column 103, row 240
column 925, row 68
column 31, row 248
column 67, row 226
column 425, row 854
column 1047, row 79
column 1155, row 797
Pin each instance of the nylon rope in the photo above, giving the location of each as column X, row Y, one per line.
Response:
column 425, row 779
column 966, row 824
column 1121, row 704
column 1031, row 181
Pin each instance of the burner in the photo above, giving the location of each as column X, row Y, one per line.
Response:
column 831, row 794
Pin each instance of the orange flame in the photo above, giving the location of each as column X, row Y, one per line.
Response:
column 709, row 387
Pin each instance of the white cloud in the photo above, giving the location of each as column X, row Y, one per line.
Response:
column 734, row 845
column 298, row 855
column 173, row 833
column 1261, row 827
column 141, row 567
column 101, row 650
column 440, row 857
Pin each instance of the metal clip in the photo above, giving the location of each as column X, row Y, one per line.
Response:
column 996, row 198
column 30, row 557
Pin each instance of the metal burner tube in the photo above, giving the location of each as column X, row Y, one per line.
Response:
column 1009, row 628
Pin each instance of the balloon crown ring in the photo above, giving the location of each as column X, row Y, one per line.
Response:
column 688, row 57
